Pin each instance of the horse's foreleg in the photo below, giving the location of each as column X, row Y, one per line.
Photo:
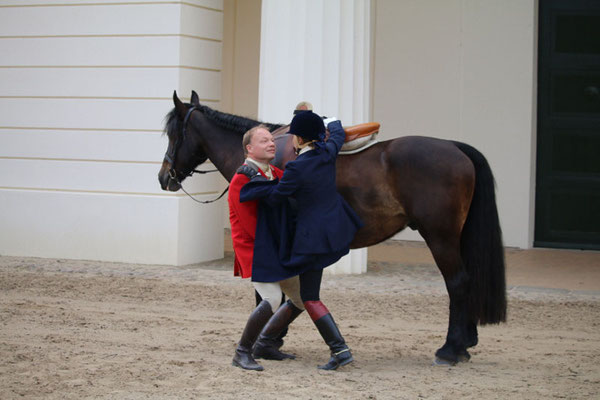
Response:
column 446, row 253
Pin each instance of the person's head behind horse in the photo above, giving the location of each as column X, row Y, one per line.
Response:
column 303, row 106
column 258, row 144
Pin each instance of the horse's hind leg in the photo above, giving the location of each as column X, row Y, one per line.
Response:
column 446, row 252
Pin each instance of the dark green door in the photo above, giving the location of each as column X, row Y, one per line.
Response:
column 568, row 141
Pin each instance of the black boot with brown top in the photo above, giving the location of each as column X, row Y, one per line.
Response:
column 340, row 353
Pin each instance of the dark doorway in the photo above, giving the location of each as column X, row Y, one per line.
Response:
column 568, row 141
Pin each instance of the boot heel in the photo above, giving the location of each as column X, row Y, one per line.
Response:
column 337, row 360
column 245, row 361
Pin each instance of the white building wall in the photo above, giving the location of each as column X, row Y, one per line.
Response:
column 464, row 70
column 85, row 86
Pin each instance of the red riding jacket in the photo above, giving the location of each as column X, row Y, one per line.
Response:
column 242, row 217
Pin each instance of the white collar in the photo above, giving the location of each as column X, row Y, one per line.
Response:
column 305, row 149
column 264, row 167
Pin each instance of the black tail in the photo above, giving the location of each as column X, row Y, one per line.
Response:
column 481, row 246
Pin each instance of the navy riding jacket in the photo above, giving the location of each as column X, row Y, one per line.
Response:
column 303, row 222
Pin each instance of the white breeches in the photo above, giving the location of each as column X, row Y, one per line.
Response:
column 271, row 291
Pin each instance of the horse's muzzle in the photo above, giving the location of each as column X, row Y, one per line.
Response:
column 166, row 182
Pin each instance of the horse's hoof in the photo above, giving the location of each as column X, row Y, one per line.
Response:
column 443, row 362
column 445, row 356
column 464, row 356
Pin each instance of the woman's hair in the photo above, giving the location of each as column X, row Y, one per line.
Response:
column 247, row 138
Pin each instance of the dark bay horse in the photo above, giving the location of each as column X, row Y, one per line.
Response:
column 443, row 189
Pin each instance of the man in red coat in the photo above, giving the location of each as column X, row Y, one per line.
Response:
column 259, row 148
column 260, row 151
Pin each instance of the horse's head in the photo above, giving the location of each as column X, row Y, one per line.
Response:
column 184, row 151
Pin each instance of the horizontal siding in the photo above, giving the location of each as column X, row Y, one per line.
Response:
column 206, row 83
column 115, row 114
column 96, row 177
column 85, row 114
column 110, row 51
column 201, row 54
column 78, row 144
column 108, row 20
column 85, row 89
column 152, row 83
column 43, row 158
column 158, row 19
column 199, row 22
column 216, row 5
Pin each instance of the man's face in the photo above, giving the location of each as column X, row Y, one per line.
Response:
column 262, row 146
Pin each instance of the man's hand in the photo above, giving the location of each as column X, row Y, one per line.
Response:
column 258, row 178
column 246, row 170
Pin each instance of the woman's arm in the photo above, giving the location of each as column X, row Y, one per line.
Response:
column 287, row 186
column 336, row 137
column 272, row 192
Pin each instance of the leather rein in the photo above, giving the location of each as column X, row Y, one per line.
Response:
column 170, row 158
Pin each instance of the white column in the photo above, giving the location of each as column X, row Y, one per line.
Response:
column 85, row 88
column 317, row 51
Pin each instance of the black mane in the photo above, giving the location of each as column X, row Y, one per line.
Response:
column 224, row 120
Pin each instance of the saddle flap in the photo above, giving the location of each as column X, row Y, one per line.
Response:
column 361, row 130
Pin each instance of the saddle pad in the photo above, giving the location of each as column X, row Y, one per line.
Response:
column 358, row 145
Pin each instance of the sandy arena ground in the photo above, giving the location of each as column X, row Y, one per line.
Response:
column 91, row 330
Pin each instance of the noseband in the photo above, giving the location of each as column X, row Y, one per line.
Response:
column 171, row 158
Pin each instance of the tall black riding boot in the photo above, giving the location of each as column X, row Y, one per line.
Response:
column 340, row 352
column 243, row 353
column 267, row 344
column 279, row 340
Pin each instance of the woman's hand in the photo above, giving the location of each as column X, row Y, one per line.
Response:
column 329, row 120
column 246, row 170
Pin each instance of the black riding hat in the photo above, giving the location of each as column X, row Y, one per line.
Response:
column 307, row 125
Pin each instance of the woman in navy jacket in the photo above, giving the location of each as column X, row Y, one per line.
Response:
column 318, row 234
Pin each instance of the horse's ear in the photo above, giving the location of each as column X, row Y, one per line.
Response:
column 195, row 100
column 179, row 106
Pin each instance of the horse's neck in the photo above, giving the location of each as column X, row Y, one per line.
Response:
column 223, row 147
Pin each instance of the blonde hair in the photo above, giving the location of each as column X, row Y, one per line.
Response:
column 247, row 138
column 304, row 106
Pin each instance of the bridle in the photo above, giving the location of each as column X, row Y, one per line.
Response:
column 171, row 158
